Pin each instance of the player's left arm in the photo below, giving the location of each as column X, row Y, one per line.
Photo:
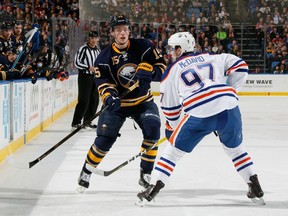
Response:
column 236, row 70
column 153, row 57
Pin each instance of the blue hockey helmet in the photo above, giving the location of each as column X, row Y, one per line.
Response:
column 119, row 20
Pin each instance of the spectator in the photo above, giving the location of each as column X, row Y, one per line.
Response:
column 235, row 49
column 269, row 49
column 18, row 34
column 277, row 39
column 265, row 9
column 231, row 45
column 221, row 49
column 208, row 33
column 281, row 68
column 202, row 20
column 215, row 47
column 276, row 17
column 6, row 41
column 256, row 71
column 252, row 5
column 285, row 39
column 260, row 24
column 260, row 34
column 222, row 36
column 223, row 13
column 272, row 58
column 7, row 59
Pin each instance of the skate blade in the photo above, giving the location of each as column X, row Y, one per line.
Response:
column 80, row 189
column 81, row 130
column 258, row 201
column 141, row 203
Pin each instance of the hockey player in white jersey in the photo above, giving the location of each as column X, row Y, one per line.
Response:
column 204, row 88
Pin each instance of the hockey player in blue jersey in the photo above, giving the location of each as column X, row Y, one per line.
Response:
column 196, row 85
column 118, row 67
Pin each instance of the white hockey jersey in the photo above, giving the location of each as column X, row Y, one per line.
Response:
column 201, row 85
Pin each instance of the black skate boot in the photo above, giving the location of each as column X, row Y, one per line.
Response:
column 90, row 127
column 255, row 192
column 83, row 181
column 150, row 193
column 144, row 179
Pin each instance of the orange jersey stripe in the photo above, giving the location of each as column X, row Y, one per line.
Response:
column 229, row 71
column 176, row 131
column 208, row 94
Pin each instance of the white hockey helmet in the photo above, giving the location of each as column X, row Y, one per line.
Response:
column 183, row 39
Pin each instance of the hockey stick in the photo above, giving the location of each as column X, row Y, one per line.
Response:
column 107, row 173
column 30, row 35
column 34, row 162
column 27, row 64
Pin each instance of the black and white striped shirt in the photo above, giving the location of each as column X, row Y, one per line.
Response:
column 85, row 57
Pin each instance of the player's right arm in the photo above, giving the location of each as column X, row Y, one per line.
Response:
column 170, row 101
column 107, row 85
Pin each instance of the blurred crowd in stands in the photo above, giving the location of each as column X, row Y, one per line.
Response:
column 207, row 20
column 21, row 58
column 156, row 20
column 272, row 32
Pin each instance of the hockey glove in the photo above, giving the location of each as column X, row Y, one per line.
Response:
column 33, row 78
column 113, row 103
column 63, row 75
column 55, row 74
column 48, row 75
column 7, row 75
column 144, row 72
column 168, row 130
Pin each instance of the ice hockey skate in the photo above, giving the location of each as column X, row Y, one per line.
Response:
column 255, row 192
column 144, row 179
column 74, row 127
column 149, row 194
column 90, row 127
column 83, row 181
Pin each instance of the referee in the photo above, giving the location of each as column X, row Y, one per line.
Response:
column 88, row 98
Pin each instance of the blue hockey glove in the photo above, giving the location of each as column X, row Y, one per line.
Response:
column 113, row 103
column 168, row 130
column 144, row 72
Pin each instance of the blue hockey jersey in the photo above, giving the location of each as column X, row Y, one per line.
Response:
column 115, row 70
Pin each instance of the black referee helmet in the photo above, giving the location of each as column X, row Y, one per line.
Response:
column 93, row 34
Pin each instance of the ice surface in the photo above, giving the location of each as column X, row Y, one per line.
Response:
column 204, row 183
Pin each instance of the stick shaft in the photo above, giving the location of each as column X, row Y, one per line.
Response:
column 109, row 172
column 34, row 162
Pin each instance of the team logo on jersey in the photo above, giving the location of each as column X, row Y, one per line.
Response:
column 126, row 75
column 104, row 127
